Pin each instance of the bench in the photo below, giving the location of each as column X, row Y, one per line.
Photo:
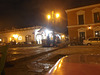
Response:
column 3, row 53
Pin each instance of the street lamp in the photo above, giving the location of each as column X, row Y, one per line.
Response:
column 53, row 18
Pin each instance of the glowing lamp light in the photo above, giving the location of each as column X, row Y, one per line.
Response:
column 20, row 38
column 10, row 39
column 57, row 15
column 89, row 27
column 15, row 36
column 47, row 32
column 63, row 36
column 96, row 33
column 0, row 39
column 48, row 16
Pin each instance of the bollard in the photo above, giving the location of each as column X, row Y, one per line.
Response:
column 3, row 51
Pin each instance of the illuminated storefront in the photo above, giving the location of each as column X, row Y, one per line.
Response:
column 45, row 36
column 29, row 35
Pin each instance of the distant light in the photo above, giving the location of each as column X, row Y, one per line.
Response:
column 57, row 15
column 63, row 36
column 47, row 32
column 10, row 39
column 0, row 39
column 96, row 33
column 20, row 38
column 48, row 16
column 89, row 27
column 15, row 36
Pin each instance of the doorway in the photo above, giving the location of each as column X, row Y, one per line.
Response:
column 82, row 36
column 28, row 38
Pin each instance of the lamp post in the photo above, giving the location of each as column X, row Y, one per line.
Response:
column 53, row 17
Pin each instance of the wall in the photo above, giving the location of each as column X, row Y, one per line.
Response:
column 74, row 28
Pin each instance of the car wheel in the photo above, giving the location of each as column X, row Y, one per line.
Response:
column 89, row 44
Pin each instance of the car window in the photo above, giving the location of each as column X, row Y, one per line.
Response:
column 95, row 39
column 99, row 39
column 91, row 39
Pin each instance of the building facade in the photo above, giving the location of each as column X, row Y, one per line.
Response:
column 30, row 35
column 19, row 35
column 83, row 23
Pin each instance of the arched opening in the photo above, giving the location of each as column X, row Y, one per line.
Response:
column 28, row 38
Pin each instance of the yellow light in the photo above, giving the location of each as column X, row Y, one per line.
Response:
column 59, row 65
column 89, row 27
column 20, row 38
column 15, row 36
column 10, row 39
column 48, row 16
column 63, row 36
column 0, row 39
column 57, row 15
column 55, row 68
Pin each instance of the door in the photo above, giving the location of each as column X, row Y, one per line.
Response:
column 82, row 36
column 28, row 38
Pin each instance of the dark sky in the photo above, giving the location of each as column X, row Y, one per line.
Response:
column 27, row 13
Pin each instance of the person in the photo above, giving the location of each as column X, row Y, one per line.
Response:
column 48, row 40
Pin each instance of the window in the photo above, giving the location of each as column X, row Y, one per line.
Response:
column 97, row 33
column 81, row 19
column 99, row 39
column 93, row 39
column 96, row 17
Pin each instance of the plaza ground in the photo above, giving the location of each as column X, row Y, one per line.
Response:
column 41, row 64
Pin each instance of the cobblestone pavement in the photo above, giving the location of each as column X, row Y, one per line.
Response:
column 43, row 63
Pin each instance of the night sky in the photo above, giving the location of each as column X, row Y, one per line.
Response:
column 28, row 13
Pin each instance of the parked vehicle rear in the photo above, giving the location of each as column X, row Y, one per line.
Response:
column 92, row 41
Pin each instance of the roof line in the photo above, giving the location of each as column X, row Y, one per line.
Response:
column 82, row 7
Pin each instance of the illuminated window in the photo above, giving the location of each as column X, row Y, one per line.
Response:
column 97, row 33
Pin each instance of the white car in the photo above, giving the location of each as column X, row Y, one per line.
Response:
column 92, row 41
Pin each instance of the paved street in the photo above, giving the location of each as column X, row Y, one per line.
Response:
column 42, row 64
column 22, row 52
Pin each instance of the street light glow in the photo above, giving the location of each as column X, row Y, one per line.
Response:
column 0, row 39
column 20, row 38
column 57, row 15
column 15, row 36
column 48, row 16
column 63, row 36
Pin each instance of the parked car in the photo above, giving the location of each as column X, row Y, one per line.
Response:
column 92, row 41
column 77, row 64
